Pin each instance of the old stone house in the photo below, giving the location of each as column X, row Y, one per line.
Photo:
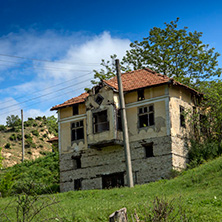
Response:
column 90, row 134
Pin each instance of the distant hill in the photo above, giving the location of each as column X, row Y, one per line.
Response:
column 37, row 132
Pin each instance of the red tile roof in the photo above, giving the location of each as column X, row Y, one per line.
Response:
column 138, row 79
column 131, row 81
column 75, row 100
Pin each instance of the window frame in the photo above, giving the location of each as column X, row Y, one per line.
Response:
column 96, row 124
column 182, row 117
column 76, row 128
column 146, row 112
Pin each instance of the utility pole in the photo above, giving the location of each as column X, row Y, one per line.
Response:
column 125, row 128
column 23, row 147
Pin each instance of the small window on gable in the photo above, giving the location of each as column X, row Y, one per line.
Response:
column 77, row 184
column 182, row 117
column 75, row 109
column 99, row 99
column 146, row 116
column 140, row 93
column 148, row 148
column 100, row 122
column 77, row 131
column 76, row 162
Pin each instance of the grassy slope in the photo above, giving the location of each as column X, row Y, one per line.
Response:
column 199, row 191
column 13, row 155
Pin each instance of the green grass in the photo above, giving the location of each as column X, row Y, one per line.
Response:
column 197, row 191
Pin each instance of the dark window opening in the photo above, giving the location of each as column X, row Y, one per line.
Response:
column 203, row 122
column 146, row 116
column 182, row 117
column 100, row 122
column 113, row 180
column 75, row 109
column 99, row 99
column 148, row 148
column 77, row 130
column 76, row 162
column 77, row 184
column 140, row 93
column 119, row 120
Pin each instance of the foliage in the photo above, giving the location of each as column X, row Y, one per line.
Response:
column 171, row 51
column 2, row 128
column 13, row 137
column 52, row 125
column 1, row 158
column 38, row 118
column 13, row 121
column 8, row 146
column 29, row 208
column 40, row 176
column 35, row 132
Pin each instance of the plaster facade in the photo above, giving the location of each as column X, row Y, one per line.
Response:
column 158, row 141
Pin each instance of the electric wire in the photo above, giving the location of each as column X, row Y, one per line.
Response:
column 53, row 98
column 47, row 88
column 43, row 95
column 43, row 60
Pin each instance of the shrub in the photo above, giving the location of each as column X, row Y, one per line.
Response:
column 13, row 137
column 28, row 136
column 38, row 118
column 35, row 133
column 2, row 128
column 19, row 136
column 30, row 119
column 35, row 124
column 8, row 146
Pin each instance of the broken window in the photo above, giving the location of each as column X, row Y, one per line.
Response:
column 75, row 109
column 146, row 116
column 148, row 148
column 119, row 120
column 76, row 162
column 77, row 184
column 113, row 180
column 77, row 131
column 140, row 93
column 182, row 117
column 100, row 122
column 99, row 99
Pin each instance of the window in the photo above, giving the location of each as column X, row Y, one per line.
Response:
column 140, row 93
column 77, row 184
column 100, row 122
column 113, row 180
column 146, row 116
column 76, row 162
column 77, row 131
column 75, row 109
column 148, row 148
column 119, row 120
column 99, row 99
column 182, row 117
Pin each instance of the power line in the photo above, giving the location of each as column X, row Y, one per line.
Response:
column 53, row 98
column 43, row 95
column 45, row 67
column 47, row 88
column 42, row 60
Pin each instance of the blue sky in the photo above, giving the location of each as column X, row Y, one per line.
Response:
column 48, row 49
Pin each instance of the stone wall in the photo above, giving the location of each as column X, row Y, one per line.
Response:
column 98, row 162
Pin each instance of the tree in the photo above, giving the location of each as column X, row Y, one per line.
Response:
column 12, row 121
column 171, row 51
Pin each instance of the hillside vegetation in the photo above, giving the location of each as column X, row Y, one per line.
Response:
column 195, row 195
column 36, row 132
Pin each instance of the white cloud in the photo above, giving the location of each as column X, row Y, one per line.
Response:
column 73, row 52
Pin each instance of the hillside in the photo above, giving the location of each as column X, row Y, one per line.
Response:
column 37, row 132
column 195, row 195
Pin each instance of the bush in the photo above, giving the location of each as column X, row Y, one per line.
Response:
column 13, row 137
column 201, row 152
column 19, row 136
column 2, row 128
column 8, row 146
column 28, row 136
column 38, row 118
column 35, row 124
column 35, row 133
